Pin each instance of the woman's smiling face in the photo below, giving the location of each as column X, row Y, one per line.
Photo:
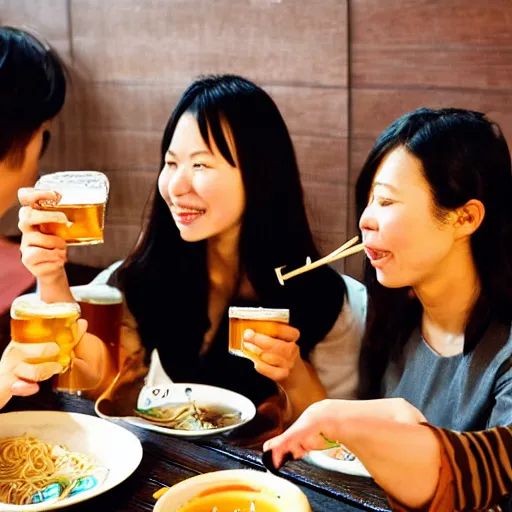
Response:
column 204, row 192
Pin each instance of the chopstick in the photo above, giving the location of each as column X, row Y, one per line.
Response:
column 347, row 249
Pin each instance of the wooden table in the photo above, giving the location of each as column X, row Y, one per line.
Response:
column 168, row 460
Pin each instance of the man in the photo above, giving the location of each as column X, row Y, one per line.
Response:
column 32, row 92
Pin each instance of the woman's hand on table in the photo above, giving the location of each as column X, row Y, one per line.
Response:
column 274, row 356
column 323, row 422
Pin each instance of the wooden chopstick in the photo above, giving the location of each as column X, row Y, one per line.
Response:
column 344, row 247
column 345, row 250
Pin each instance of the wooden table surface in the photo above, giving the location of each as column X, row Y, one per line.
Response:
column 168, row 460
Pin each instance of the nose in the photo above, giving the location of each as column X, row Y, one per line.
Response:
column 368, row 221
column 180, row 182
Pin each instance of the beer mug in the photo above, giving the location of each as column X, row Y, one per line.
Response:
column 101, row 306
column 260, row 320
column 35, row 321
column 84, row 197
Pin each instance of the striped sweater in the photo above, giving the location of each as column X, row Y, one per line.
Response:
column 476, row 470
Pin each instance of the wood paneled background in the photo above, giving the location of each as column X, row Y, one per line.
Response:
column 339, row 70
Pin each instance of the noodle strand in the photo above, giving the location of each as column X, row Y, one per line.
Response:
column 28, row 466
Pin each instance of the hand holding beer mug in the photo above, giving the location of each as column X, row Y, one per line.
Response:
column 83, row 197
column 264, row 336
column 35, row 322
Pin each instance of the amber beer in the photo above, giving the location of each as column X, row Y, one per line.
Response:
column 101, row 306
column 83, row 198
column 260, row 320
column 86, row 222
column 35, row 321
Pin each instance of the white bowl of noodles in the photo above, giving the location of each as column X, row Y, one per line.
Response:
column 100, row 448
column 238, row 489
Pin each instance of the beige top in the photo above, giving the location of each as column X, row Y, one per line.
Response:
column 336, row 357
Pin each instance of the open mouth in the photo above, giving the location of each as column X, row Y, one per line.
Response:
column 186, row 216
column 376, row 256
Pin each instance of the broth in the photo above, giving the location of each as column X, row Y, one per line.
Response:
column 234, row 501
column 188, row 417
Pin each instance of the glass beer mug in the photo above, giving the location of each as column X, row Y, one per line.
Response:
column 84, row 197
column 35, row 321
column 260, row 320
column 102, row 306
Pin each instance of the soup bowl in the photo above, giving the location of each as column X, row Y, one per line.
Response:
column 234, row 489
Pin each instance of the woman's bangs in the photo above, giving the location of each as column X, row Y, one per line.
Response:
column 212, row 123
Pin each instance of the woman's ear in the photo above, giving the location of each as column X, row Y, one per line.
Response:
column 467, row 218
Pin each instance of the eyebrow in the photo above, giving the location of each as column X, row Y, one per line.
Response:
column 387, row 185
column 195, row 153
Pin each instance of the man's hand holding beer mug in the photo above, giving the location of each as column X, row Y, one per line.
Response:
column 24, row 364
column 64, row 208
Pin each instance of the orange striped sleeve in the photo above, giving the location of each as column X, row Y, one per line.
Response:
column 481, row 465
column 476, row 469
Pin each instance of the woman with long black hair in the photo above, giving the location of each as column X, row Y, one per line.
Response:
column 434, row 202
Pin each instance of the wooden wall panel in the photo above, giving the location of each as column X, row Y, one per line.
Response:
column 465, row 68
column 436, row 43
column 431, row 22
column 382, row 106
column 48, row 18
column 174, row 40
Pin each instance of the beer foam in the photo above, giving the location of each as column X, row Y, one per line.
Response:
column 32, row 305
column 101, row 294
column 82, row 195
column 77, row 187
column 259, row 313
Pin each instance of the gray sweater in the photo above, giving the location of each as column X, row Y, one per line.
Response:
column 470, row 391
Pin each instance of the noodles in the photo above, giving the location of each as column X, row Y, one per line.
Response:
column 191, row 417
column 32, row 471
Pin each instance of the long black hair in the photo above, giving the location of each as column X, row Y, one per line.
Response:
column 463, row 156
column 32, row 89
column 165, row 279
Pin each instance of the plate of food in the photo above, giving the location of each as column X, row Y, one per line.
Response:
column 189, row 410
column 243, row 490
column 337, row 458
column 53, row 459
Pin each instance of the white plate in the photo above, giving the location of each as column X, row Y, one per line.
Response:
column 112, row 446
column 324, row 459
column 203, row 395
